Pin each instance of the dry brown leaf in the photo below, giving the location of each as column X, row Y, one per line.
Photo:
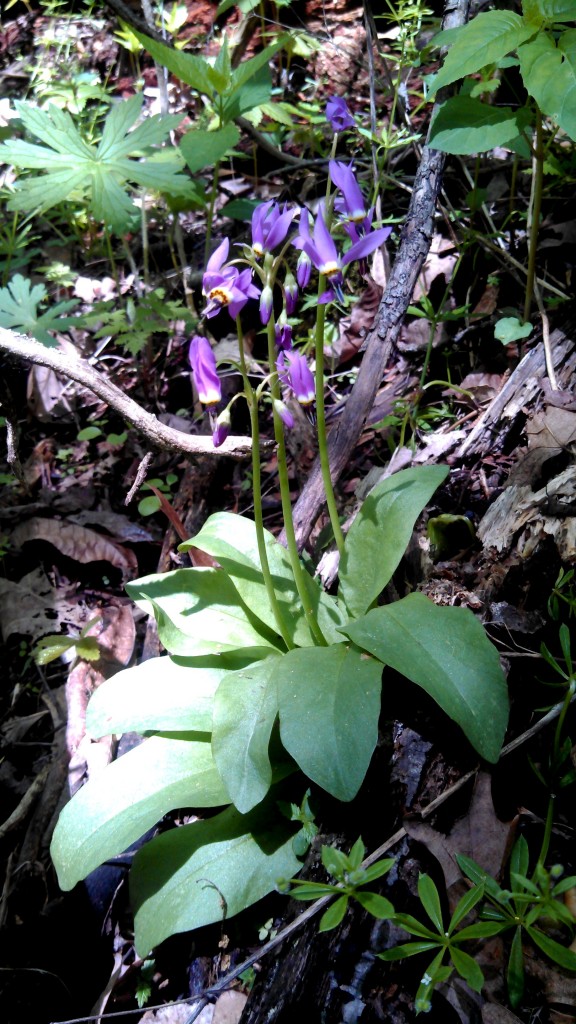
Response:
column 440, row 261
column 354, row 328
column 33, row 607
column 229, row 1007
column 77, row 542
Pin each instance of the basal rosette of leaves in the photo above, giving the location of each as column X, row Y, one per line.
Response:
column 235, row 720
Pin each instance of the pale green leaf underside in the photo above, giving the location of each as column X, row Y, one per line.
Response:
column 484, row 40
column 245, row 709
column 232, row 540
column 208, row 871
column 447, row 653
column 160, row 694
column 379, row 535
column 329, row 702
column 120, row 804
column 200, row 604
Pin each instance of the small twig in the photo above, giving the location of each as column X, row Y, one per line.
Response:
column 145, row 423
column 20, row 812
column 140, row 477
column 546, row 338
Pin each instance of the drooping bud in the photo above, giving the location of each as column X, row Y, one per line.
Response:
column 290, row 293
column 303, row 269
column 300, row 377
column 283, row 333
column 266, row 304
column 203, row 364
column 221, row 428
column 338, row 114
column 284, row 413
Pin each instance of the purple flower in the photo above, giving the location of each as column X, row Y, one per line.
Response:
column 321, row 249
column 226, row 285
column 284, row 413
column 270, row 225
column 203, row 365
column 221, row 428
column 293, row 370
column 283, row 334
column 338, row 115
column 290, row 293
column 351, row 205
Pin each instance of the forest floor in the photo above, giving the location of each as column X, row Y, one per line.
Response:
column 497, row 538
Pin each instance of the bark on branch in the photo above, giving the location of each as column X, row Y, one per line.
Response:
column 157, row 433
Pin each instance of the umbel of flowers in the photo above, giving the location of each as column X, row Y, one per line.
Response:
column 229, row 283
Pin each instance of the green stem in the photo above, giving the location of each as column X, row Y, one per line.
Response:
column 257, row 495
column 210, row 214
column 537, row 183
column 297, row 570
column 321, row 422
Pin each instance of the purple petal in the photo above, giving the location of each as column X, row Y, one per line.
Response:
column 203, row 364
column 338, row 115
column 366, row 245
column 218, row 257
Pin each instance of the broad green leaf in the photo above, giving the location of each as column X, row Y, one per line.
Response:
column 466, row 125
column 208, row 871
column 430, row 900
column 557, row 10
column 120, row 804
column 509, row 329
column 467, row 968
column 168, row 694
column 204, row 149
column 357, row 854
column 520, row 857
column 484, row 40
column 245, row 71
column 222, row 66
column 335, row 861
column 242, row 98
column 232, row 540
column 329, row 702
column 245, row 709
column 380, row 533
column 447, row 653
column 381, row 867
column 202, row 604
column 186, row 66
column 548, row 70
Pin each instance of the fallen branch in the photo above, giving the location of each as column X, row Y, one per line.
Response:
column 157, row 433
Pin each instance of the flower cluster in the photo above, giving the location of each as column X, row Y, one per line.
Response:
column 225, row 286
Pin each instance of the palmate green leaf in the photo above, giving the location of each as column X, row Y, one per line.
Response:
column 245, row 709
column 232, row 540
column 466, row 125
column 379, row 535
column 447, row 653
column 208, row 871
column 329, row 702
column 204, row 149
column 99, row 175
column 548, row 69
column 202, row 605
column 120, row 804
column 169, row 694
column 484, row 40
column 19, row 303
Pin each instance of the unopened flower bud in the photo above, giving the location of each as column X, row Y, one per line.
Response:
column 266, row 302
column 283, row 333
column 290, row 293
column 203, row 364
column 221, row 428
column 303, row 269
column 284, row 413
